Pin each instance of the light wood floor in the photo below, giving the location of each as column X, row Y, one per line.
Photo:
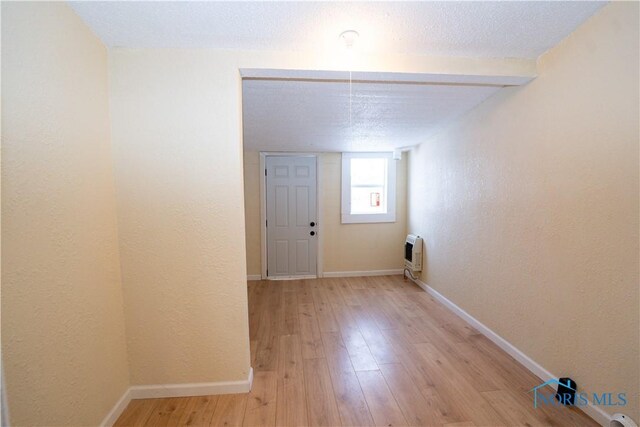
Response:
column 363, row 351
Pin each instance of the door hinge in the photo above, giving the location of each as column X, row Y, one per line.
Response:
column 265, row 172
column 266, row 223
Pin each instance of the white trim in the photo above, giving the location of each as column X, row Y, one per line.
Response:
column 117, row 409
column 263, row 213
column 254, row 277
column 591, row 410
column 263, row 217
column 320, row 213
column 250, row 380
column 363, row 273
column 515, row 77
column 302, row 276
column 346, row 216
column 175, row 390
column 191, row 389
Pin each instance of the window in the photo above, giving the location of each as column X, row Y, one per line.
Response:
column 368, row 188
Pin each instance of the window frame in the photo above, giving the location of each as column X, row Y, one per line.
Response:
column 346, row 216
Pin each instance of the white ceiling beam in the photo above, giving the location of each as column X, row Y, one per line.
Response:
column 389, row 68
column 376, row 77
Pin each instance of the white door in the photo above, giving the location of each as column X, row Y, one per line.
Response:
column 291, row 216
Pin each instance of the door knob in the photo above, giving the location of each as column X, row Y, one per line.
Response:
column 313, row 233
column 313, row 224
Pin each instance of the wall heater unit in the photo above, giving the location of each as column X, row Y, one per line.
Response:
column 413, row 252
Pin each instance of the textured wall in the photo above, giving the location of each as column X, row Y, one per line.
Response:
column 346, row 247
column 529, row 208
column 360, row 247
column 176, row 132
column 178, row 161
column 63, row 331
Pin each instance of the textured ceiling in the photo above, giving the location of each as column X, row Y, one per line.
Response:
column 314, row 115
column 519, row 29
column 309, row 113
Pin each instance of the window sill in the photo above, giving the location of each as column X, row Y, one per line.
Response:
column 367, row 219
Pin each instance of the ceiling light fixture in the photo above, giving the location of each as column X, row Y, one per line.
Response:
column 349, row 37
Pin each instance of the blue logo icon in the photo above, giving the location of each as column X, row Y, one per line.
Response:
column 572, row 397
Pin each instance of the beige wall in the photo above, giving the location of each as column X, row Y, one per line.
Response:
column 360, row 247
column 176, row 140
column 346, row 247
column 178, row 162
column 63, row 330
column 176, row 132
column 529, row 209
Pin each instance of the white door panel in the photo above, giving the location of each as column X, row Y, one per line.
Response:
column 291, row 209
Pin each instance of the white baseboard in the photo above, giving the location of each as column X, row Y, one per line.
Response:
column 191, row 389
column 362, row 273
column 591, row 410
column 176, row 390
column 117, row 410
column 302, row 276
column 334, row 274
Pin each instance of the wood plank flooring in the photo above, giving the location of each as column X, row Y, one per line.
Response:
column 363, row 351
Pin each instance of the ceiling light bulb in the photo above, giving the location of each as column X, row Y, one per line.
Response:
column 349, row 37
